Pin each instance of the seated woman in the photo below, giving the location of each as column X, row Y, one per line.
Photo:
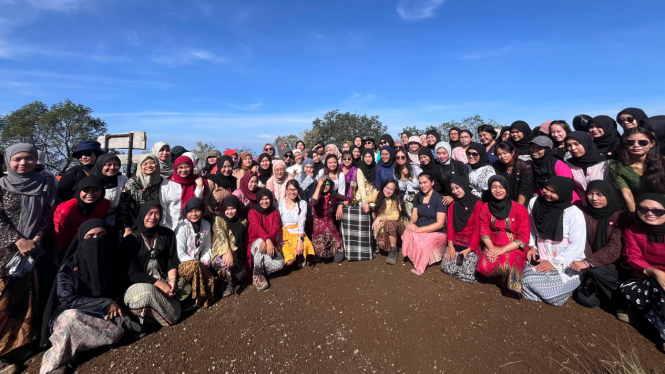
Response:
column 88, row 203
column 194, row 239
column 605, row 222
column 385, row 166
column 221, row 184
column 142, row 187
column 643, row 249
column 558, row 238
column 107, row 167
column 229, row 257
column 246, row 193
column 264, row 229
column 153, row 271
column 504, row 234
column 481, row 170
column 277, row 183
column 586, row 163
column 332, row 170
column 81, row 314
column 407, row 177
column 516, row 171
column 391, row 219
column 463, row 228
column 293, row 212
column 366, row 175
column 546, row 166
column 425, row 239
column 327, row 206
column 176, row 191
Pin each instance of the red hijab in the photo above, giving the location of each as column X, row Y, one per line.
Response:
column 189, row 183
column 244, row 187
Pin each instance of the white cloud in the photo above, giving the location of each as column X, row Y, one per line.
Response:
column 413, row 10
column 187, row 57
column 246, row 107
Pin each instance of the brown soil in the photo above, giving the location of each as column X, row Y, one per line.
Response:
column 369, row 317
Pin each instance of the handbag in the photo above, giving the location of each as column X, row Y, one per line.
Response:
column 20, row 265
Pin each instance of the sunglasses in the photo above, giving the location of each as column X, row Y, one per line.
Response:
column 383, row 142
column 346, row 159
column 86, row 153
column 656, row 212
column 627, row 119
column 472, row 154
column 398, row 147
column 268, row 149
column 641, row 143
column 288, row 156
column 369, row 142
column 400, row 158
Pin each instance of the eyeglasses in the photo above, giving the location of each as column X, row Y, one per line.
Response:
column 400, row 158
column 268, row 149
column 627, row 119
column 472, row 154
column 641, row 143
column 656, row 212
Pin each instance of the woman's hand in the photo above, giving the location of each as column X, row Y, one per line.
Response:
column 172, row 285
column 447, row 200
column 262, row 247
column 578, row 265
column 270, row 248
column 128, row 232
column 26, row 246
column 404, row 173
column 375, row 225
column 340, row 212
column 660, row 277
column 227, row 259
column 199, row 183
column 544, row 266
column 164, row 287
column 411, row 227
column 466, row 252
column 366, row 207
column 450, row 254
column 113, row 311
column 300, row 247
column 495, row 252
column 320, row 182
column 531, row 254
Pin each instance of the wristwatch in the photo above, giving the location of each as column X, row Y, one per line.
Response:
column 301, row 238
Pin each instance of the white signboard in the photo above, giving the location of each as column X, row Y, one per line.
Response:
column 118, row 142
column 123, row 159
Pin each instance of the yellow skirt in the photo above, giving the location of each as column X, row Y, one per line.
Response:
column 290, row 242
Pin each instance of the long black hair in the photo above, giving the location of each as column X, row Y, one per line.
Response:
column 294, row 183
column 326, row 171
column 566, row 128
column 396, row 198
column 654, row 164
column 506, row 147
column 398, row 168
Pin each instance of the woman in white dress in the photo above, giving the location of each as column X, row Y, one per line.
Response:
column 176, row 191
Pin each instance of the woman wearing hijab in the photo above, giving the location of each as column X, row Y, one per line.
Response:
column 327, row 207
column 558, row 238
column 176, row 152
column 229, row 243
column 518, row 173
column 603, row 131
column 88, row 203
column 246, row 193
column 586, row 163
column 385, row 167
column 86, row 154
column 605, row 222
column 545, row 165
column 386, row 140
column 448, row 166
column 286, row 155
column 640, row 168
column 306, row 177
column 656, row 125
column 399, row 144
column 295, row 244
column 296, row 166
column 643, row 250
column 27, row 201
column 142, row 187
column 153, row 270
column 174, row 193
column 221, row 185
column 481, row 170
column 107, row 167
column 246, row 164
column 390, row 218
column 350, row 173
column 461, row 258
column 433, row 137
column 269, row 149
column 459, row 153
column 264, row 169
column 277, row 183
column 264, row 230
column 194, row 239
column 453, row 137
column 332, row 149
column 504, row 234
column 413, row 146
column 504, row 135
column 81, row 314
column 441, row 180
column 521, row 136
column 367, row 175
column 630, row 118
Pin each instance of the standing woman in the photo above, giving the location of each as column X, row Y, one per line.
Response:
column 586, row 163
column 546, row 166
column 358, row 141
column 246, row 166
column 425, row 239
column 246, row 193
column 332, row 170
column 385, row 169
column 327, row 206
column 459, row 153
column 481, row 170
column 603, row 130
column 605, row 222
column 407, row 179
column 350, row 172
column 516, row 171
column 27, row 200
column 221, row 185
column 318, row 164
column 558, row 238
column 461, row 258
column 153, row 271
column 162, row 151
column 107, row 167
column 521, row 136
column 559, row 131
column 390, row 218
column 640, row 168
column 453, row 137
column 504, row 136
column 174, row 193
column 264, row 230
column 300, row 145
column 142, row 187
column 487, row 136
column 277, row 183
column 86, row 153
column 296, row 168
column 367, row 175
column 229, row 245
column 264, row 169
column 293, row 213
column 413, row 147
column 355, row 153
column 504, row 234
column 630, row 118
column 332, row 149
column 306, row 177
column 448, row 166
column 432, row 137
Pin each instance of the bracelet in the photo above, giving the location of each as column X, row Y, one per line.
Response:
column 171, row 279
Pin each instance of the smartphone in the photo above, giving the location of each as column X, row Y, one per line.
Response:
column 534, row 260
column 460, row 259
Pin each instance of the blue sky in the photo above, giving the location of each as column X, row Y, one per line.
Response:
column 241, row 72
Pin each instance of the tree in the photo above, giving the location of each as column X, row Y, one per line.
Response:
column 23, row 126
column 244, row 149
column 412, row 129
column 201, row 152
column 336, row 127
column 291, row 139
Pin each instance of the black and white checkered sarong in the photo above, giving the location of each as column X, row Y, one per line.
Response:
column 359, row 244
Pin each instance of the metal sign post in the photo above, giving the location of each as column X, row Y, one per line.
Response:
column 130, row 141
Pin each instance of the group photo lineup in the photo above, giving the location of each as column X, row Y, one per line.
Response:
column 408, row 186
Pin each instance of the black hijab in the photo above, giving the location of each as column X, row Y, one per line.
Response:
column 456, row 143
column 483, row 160
column 609, row 142
column 499, row 139
column 436, row 135
column 367, row 170
column 591, row 156
column 656, row 124
column 139, row 224
column 195, row 203
column 602, row 215
column 500, row 209
column 429, row 167
column 637, row 113
column 355, row 161
column 388, row 139
column 543, row 168
column 109, row 182
column 259, row 196
column 655, row 234
column 548, row 216
column 90, row 181
column 264, row 174
column 237, row 228
column 220, row 179
column 522, row 146
column 463, row 209
column 581, row 122
column 88, row 257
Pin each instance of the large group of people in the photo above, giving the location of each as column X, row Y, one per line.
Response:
column 548, row 213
